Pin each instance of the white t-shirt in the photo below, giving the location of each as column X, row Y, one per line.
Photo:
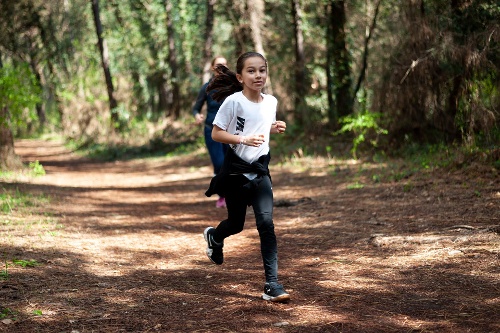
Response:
column 237, row 115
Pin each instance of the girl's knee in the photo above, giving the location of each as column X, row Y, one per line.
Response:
column 236, row 227
column 265, row 223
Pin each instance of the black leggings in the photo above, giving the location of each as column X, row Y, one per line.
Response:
column 261, row 199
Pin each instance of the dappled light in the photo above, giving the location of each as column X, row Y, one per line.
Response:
column 107, row 246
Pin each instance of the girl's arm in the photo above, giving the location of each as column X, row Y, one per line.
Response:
column 220, row 135
column 200, row 100
column 278, row 127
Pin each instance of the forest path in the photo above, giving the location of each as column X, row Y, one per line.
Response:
column 126, row 253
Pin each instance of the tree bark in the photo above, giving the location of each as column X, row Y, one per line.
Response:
column 300, row 67
column 159, row 103
column 238, row 15
column 172, row 61
column 341, row 63
column 256, row 14
column 332, row 114
column 105, row 60
column 40, row 107
column 8, row 158
column 369, row 34
column 209, row 31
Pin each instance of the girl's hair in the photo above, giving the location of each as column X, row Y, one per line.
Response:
column 215, row 58
column 226, row 83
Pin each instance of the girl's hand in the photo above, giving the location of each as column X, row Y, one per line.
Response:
column 198, row 118
column 252, row 140
column 278, row 127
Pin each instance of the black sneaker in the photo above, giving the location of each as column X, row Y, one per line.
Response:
column 214, row 250
column 274, row 292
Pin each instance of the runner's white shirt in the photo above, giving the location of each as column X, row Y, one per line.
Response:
column 238, row 115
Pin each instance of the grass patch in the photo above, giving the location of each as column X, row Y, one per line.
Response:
column 25, row 263
column 33, row 169
column 4, row 274
column 24, row 215
column 355, row 186
column 427, row 156
column 11, row 200
column 37, row 312
column 36, row 169
column 7, row 313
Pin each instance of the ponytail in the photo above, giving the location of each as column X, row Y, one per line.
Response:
column 223, row 84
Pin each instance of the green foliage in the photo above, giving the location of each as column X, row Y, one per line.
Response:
column 19, row 92
column 36, row 169
column 4, row 274
column 475, row 17
column 434, row 156
column 427, row 156
column 407, row 187
column 476, row 118
column 25, row 263
column 155, row 148
column 443, row 41
column 11, row 201
column 6, row 174
column 402, row 174
column 364, row 126
column 5, row 313
column 355, row 186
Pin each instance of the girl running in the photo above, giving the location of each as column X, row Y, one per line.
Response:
column 244, row 121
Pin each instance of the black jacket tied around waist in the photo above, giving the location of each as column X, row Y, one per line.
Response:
column 235, row 165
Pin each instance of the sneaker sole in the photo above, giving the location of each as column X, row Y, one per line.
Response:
column 278, row 299
column 205, row 234
column 209, row 251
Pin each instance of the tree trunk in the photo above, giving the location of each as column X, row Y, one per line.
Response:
column 160, row 101
column 364, row 66
column 241, row 35
column 172, row 61
column 105, row 61
column 209, row 31
column 300, row 67
column 40, row 107
column 50, row 44
column 458, row 80
column 256, row 14
column 8, row 158
column 341, row 64
column 332, row 113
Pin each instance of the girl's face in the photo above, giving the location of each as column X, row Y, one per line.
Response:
column 254, row 74
column 218, row 61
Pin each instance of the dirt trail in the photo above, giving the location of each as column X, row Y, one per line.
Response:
column 127, row 253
